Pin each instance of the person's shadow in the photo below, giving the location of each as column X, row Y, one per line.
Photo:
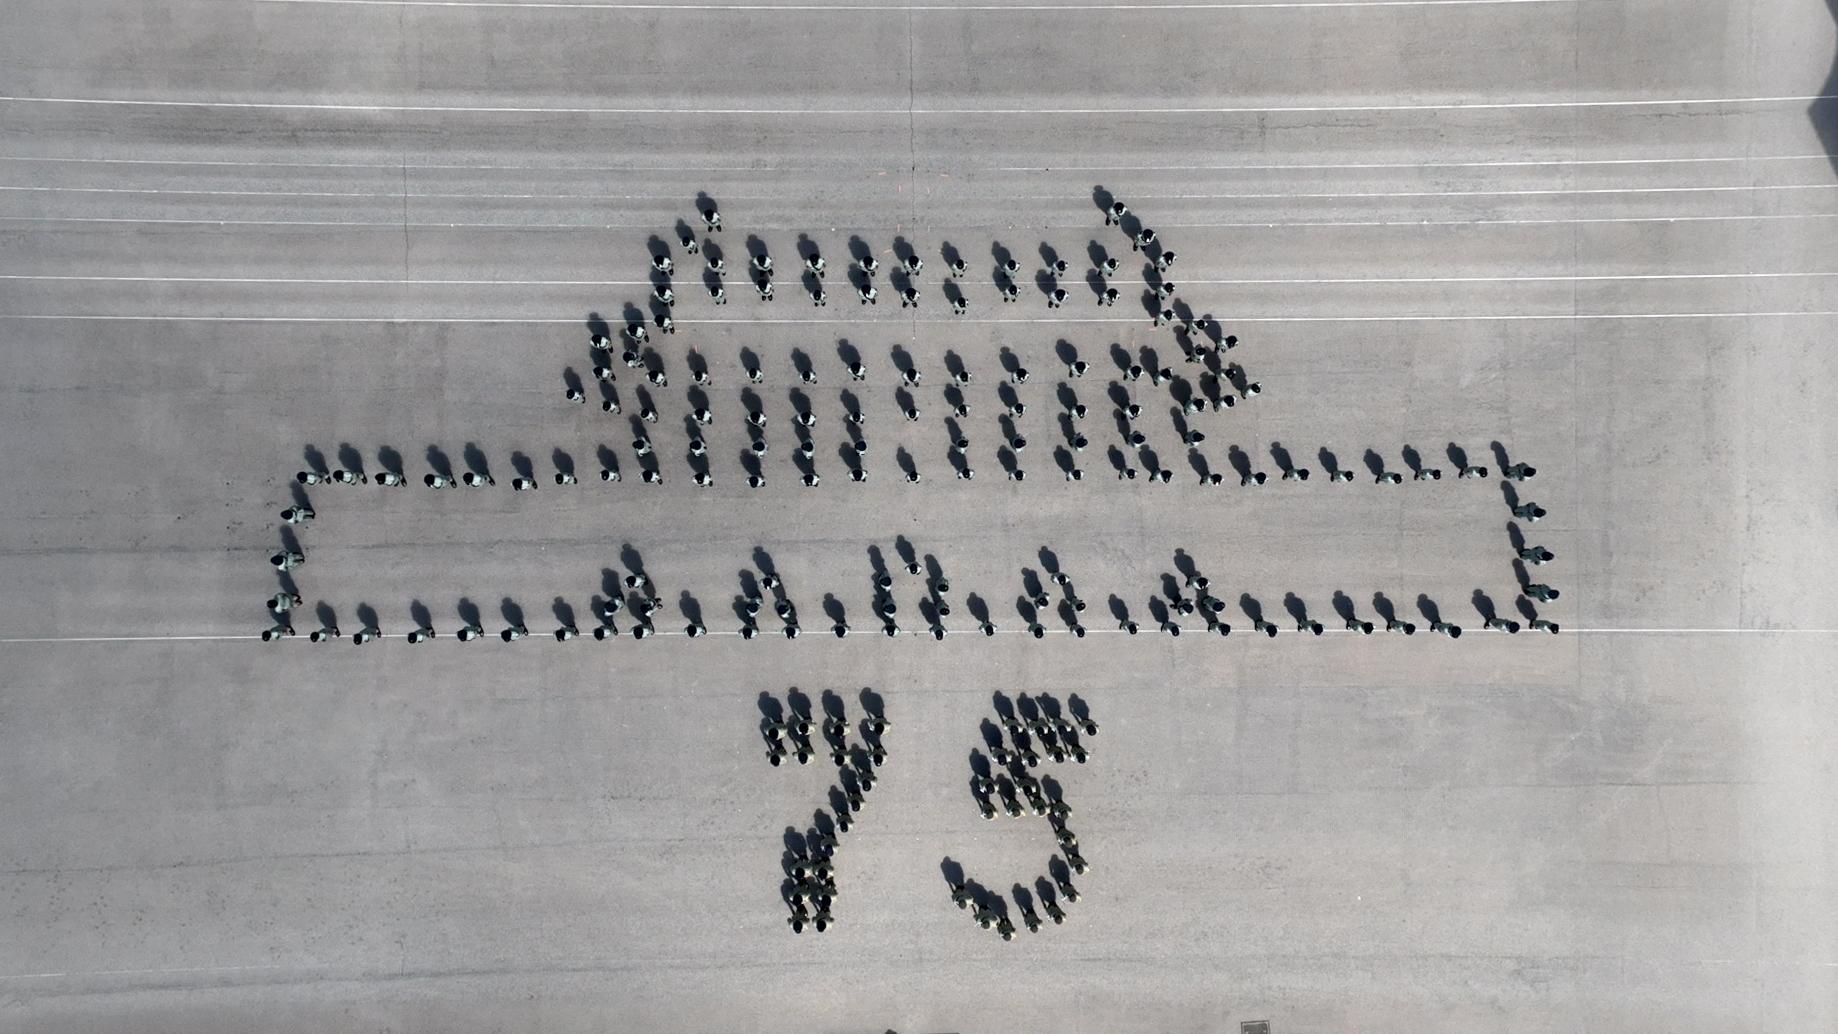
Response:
column 1824, row 111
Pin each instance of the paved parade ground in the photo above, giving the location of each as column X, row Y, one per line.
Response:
column 245, row 239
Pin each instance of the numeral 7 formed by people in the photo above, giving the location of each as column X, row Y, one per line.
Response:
column 809, row 887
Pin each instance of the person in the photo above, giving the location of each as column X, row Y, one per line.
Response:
column 914, row 264
column 814, row 262
column 515, row 632
column 1356, row 625
column 367, row 634
column 664, row 294
column 1164, row 261
column 956, row 266
column 566, row 477
column 958, row 305
column 1078, row 368
column 350, row 477
column 1452, row 631
column 960, row 894
column 812, row 479
column 523, row 484
column 1019, row 376
column 576, row 396
column 1500, row 624
column 1426, row 474
column 1164, row 290
column 1541, row 625
column 1114, row 217
column 868, row 294
column 324, row 635
column 718, row 293
column 688, row 240
column 912, row 477
column 1531, row 513
column 437, row 481
column 1520, row 472
column 1145, row 238
column 712, row 217
column 869, row 264
column 1472, row 473
column 1341, row 476
column 1536, row 555
column 600, row 343
column 651, row 477
column 298, row 515
column 857, row 372
column 1057, row 298
column 1109, row 297
column 1066, row 889
column 287, row 561
column 764, row 287
column 1541, row 592
column 909, row 298
column 820, row 298
column 665, row 323
column 282, row 602
column 1009, row 291
column 421, row 635
column 1389, row 477
column 280, row 631
column 1010, row 267
column 637, row 333
column 716, row 264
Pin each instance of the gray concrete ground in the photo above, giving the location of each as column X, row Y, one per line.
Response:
column 233, row 232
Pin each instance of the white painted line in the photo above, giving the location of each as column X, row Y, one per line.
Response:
column 395, row 195
column 1276, row 167
column 945, row 321
column 1563, row 105
column 1185, row 281
column 398, row 195
column 129, row 639
column 1555, row 191
column 141, row 972
column 1513, row 164
column 189, row 162
column 600, row 5
column 1148, row 631
column 399, row 225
